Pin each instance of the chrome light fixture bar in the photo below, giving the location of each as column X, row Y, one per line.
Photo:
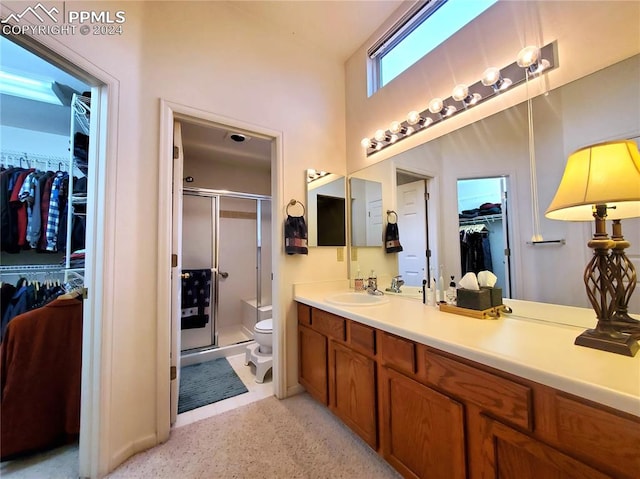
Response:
column 531, row 62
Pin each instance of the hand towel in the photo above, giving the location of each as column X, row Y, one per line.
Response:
column 196, row 298
column 392, row 238
column 295, row 235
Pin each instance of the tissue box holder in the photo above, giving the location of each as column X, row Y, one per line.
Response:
column 495, row 295
column 474, row 299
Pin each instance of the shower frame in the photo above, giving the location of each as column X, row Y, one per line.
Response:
column 215, row 247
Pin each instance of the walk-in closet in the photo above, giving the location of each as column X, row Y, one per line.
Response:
column 484, row 232
column 44, row 163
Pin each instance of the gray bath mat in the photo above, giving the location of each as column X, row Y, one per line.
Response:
column 206, row 383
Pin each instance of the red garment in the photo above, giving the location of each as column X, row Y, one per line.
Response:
column 40, row 367
column 20, row 207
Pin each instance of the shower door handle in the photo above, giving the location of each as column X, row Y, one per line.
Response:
column 224, row 274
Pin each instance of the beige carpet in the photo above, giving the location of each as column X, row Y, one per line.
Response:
column 291, row 438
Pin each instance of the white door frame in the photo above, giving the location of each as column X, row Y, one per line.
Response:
column 169, row 111
column 96, row 370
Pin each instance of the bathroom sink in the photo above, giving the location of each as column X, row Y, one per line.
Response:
column 356, row 299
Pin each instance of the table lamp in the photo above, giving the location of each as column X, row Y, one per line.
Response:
column 604, row 180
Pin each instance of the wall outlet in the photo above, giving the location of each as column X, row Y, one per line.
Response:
column 340, row 253
column 354, row 254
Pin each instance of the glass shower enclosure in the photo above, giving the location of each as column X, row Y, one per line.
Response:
column 228, row 233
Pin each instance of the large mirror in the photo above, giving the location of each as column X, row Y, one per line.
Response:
column 326, row 208
column 599, row 107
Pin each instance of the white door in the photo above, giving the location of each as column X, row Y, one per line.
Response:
column 176, row 251
column 374, row 222
column 412, row 227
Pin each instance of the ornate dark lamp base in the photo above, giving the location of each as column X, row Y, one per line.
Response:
column 610, row 341
column 603, row 282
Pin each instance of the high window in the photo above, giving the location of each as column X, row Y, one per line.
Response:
column 419, row 31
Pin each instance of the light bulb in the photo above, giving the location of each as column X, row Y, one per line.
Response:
column 436, row 105
column 493, row 78
column 460, row 92
column 395, row 127
column 528, row 56
column 413, row 118
column 490, row 76
column 380, row 135
column 366, row 143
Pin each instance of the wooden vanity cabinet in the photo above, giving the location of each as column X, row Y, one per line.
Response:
column 421, row 430
column 337, row 366
column 435, row 415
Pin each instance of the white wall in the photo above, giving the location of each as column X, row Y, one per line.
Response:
column 210, row 56
column 34, row 142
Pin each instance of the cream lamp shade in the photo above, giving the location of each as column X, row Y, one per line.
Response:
column 601, row 174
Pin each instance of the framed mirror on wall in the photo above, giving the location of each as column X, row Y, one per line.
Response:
column 326, row 208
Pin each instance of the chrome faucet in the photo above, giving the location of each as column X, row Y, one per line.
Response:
column 372, row 286
column 396, row 282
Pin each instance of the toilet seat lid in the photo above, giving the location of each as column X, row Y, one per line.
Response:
column 264, row 325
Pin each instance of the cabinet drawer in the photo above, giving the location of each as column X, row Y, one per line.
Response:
column 398, row 352
column 501, row 397
column 362, row 338
column 304, row 314
column 329, row 324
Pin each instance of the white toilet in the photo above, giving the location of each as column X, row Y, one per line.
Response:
column 260, row 353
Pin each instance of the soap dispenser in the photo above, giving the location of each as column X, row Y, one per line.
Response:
column 452, row 293
column 359, row 281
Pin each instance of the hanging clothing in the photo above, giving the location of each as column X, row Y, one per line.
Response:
column 195, row 298
column 40, row 369
column 295, row 235
column 475, row 251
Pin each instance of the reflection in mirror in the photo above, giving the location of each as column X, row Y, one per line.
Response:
column 326, row 208
column 484, row 229
column 565, row 119
column 412, row 206
column 366, row 212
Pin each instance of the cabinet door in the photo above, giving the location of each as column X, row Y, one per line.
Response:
column 312, row 363
column 509, row 453
column 422, row 431
column 352, row 388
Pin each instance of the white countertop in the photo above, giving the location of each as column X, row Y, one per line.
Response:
column 536, row 350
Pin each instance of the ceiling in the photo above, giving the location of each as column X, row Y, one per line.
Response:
column 336, row 28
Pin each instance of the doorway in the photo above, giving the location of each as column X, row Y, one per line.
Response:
column 60, row 134
column 483, row 217
column 416, row 260
column 234, row 196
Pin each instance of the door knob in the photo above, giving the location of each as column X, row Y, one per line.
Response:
column 224, row 274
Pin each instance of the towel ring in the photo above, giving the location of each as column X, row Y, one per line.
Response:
column 293, row 203
column 389, row 217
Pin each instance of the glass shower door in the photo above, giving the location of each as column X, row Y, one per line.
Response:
column 198, row 253
column 237, row 266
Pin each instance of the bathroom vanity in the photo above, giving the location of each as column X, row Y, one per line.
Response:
column 444, row 396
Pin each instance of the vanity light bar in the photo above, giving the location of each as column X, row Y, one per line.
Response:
column 530, row 62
